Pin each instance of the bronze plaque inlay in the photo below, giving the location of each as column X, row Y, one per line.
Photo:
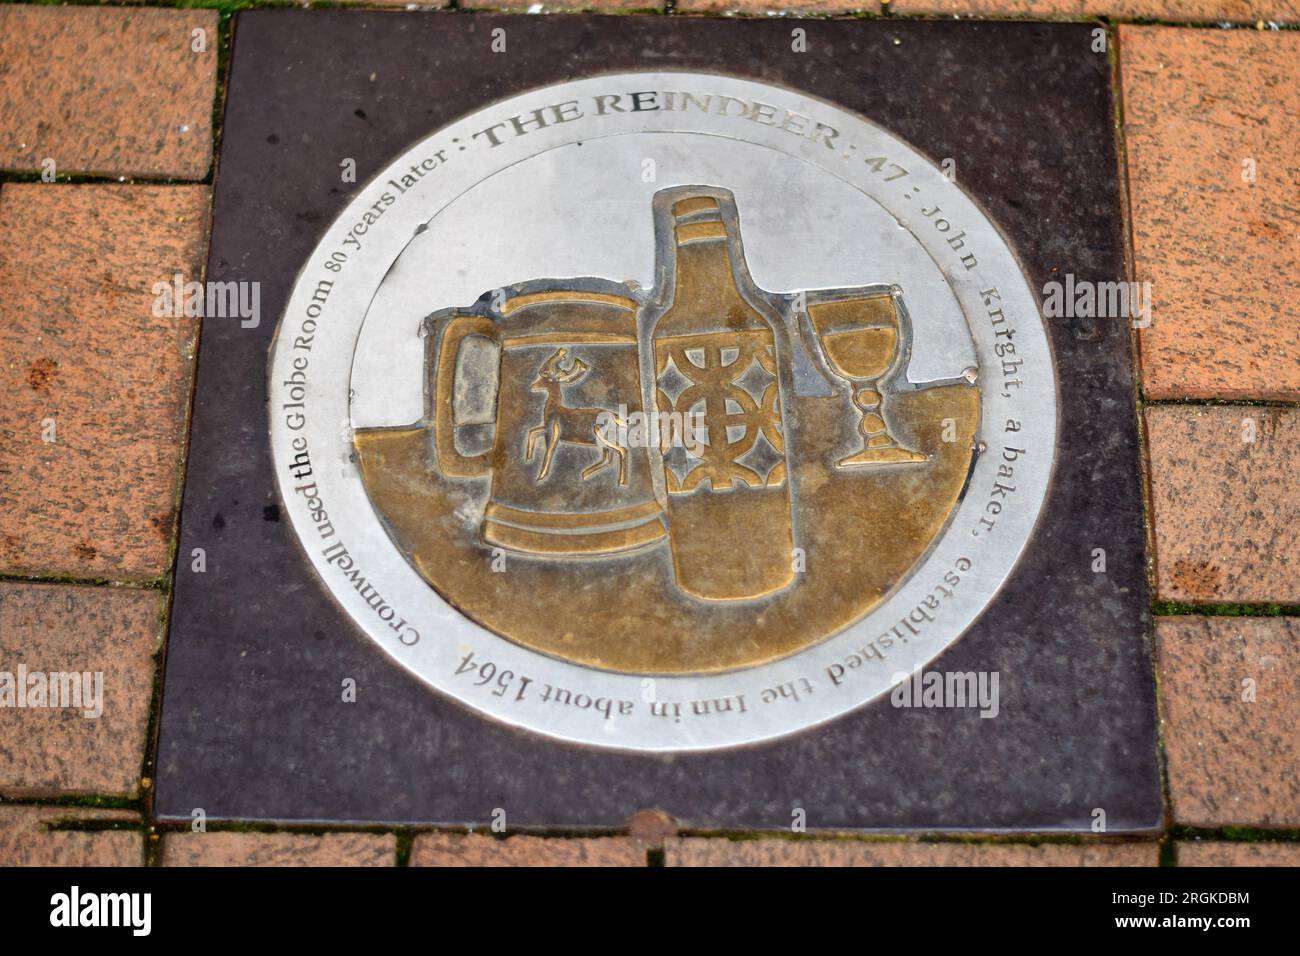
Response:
column 660, row 495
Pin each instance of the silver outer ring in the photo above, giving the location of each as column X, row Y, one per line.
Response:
column 623, row 711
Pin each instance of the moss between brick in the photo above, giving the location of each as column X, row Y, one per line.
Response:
column 1176, row 608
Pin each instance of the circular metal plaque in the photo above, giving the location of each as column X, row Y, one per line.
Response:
column 662, row 411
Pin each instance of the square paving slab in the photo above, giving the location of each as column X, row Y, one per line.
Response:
column 253, row 724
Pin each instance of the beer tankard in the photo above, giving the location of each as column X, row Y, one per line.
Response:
column 864, row 337
column 560, row 371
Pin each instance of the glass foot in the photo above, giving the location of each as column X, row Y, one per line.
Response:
column 889, row 455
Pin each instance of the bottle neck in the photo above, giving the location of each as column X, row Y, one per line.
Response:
column 703, row 267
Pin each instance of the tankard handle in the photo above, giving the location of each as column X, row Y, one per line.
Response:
column 450, row 460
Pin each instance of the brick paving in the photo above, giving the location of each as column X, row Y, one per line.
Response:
column 1191, row 11
column 122, row 93
column 1217, row 853
column 111, row 91
column 1210, row 131
column 35, row 836
column 96, row 386
column 454, row 849
column 1230, row 702
column 805, row 852
column 597, row 6
column 278, row 849
column 113, row 632
column 1223, row 494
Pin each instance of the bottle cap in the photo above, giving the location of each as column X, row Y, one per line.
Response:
column 697, row 208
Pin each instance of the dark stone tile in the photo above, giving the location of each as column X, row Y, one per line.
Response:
column 252, row 726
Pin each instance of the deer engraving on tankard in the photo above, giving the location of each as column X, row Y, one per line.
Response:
column 589, row 426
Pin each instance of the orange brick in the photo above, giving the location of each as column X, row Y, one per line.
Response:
column 758, row 6
column 1240, row 11
column 114, row 91
column 279, row 849
column 52, row 628
column 26, row 838
column 713, row 851
column 597, row 6
column 1225, row 507
column 458, row 849
column 1218, row 853
column 80, row 347
column 1231, row 761
column 1202, row 110
column 652, row 827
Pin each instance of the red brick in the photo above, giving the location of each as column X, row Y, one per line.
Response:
column 114, row 631
column 279, row 849
column 1231, row 762
column 79, row 345
column 715, row 851
column 598, row 6
column 652, row 826
column 1225, row 508
column 114, row 91
column 27, row 840
column 458, row 849
column 1212, row 853
column 759, row 6
column 1222, row 254
column 1241, row 11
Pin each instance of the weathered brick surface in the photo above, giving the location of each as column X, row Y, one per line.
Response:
column 84, row 361
column 713, row 851
column 1232, row 761
column 45, row 628
column 26, row 838
column 1225, row 501
column 793, row 6
column 114, row 91
column 279, row 849
column 1240, row 11
column 652, row 827
column 1218, row 853
column 548, row 6
column 1204, row 110
column 458, row 849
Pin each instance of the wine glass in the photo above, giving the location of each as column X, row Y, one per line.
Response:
column 858, row 334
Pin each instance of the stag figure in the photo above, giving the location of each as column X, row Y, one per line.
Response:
column 577, row 426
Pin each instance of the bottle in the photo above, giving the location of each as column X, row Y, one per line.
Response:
column 721, row 363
